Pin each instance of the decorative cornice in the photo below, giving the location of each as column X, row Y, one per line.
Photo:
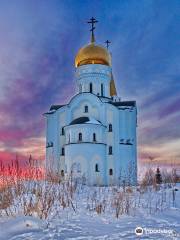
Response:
column 93, row 143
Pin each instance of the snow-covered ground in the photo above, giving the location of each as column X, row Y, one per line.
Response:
column 153, row 211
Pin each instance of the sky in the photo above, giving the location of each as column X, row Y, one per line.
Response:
column 38, row 44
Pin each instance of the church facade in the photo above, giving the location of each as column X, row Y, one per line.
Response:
column 94, row 135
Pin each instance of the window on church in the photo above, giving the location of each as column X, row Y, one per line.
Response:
column 110, row 150
column 62, row 131
column 80, row 88
column 69, row 138
column 102, row 90
column 90, row 88
column 62, row 152
column 96, row 168
column 110, row 127
column 110, row 172
column 86, row 109
column 62, row 173
column 94, row 137
column 80, row 137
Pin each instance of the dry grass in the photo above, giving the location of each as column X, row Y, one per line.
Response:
column 55, row 193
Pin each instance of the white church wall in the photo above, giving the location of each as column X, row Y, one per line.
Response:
column 127, row 123
column 116, row 131
column 61, row 163
column 96, row 74
column 109, row 117
column 87, row 130
column 62, row 123
column 95, row 104
column 98, row 178
column 110, row 165
column 79, row 110
column 52, row 145
column 87, row 154
column 132, row 136
column 123, row 124
column 49, row 142
column 112, row 116
column 134, row 147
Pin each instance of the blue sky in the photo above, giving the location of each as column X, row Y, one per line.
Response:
column 39, row 41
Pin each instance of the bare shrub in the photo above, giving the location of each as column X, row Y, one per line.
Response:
column 129, row 190
column 118, row 204
column 148, row 180
column 6, row 200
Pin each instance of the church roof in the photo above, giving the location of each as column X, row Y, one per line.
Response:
column 55, row 107
column 82, row 120
column 124, row 103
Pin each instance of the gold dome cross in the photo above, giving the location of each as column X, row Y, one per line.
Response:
column 107, row 43
column 92, row 22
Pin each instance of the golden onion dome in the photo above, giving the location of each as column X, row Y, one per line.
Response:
column 92, row 54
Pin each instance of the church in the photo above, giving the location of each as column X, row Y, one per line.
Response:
column 93, row 136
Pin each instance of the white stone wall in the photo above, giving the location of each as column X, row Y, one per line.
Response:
column 52, row 142
column 87, row 155
column 87, row 130
column 96, row 74
column 79, row 110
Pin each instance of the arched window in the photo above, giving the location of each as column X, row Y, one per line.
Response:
column 96, row 168
column 62, row 173
column 80, row 88
column 110, row 127
column 94, row 137
column 62, row 152
column 80, row 137
column 86, row 109
column 102, row 89
column 110, row 172
column 110, row 150
column 90, row 88
column 69, row 138
column 62, row 131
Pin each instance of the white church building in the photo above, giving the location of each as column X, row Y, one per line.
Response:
column 94, row 135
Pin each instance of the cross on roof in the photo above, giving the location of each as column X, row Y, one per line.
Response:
column 107, row 43
column 92, row 22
